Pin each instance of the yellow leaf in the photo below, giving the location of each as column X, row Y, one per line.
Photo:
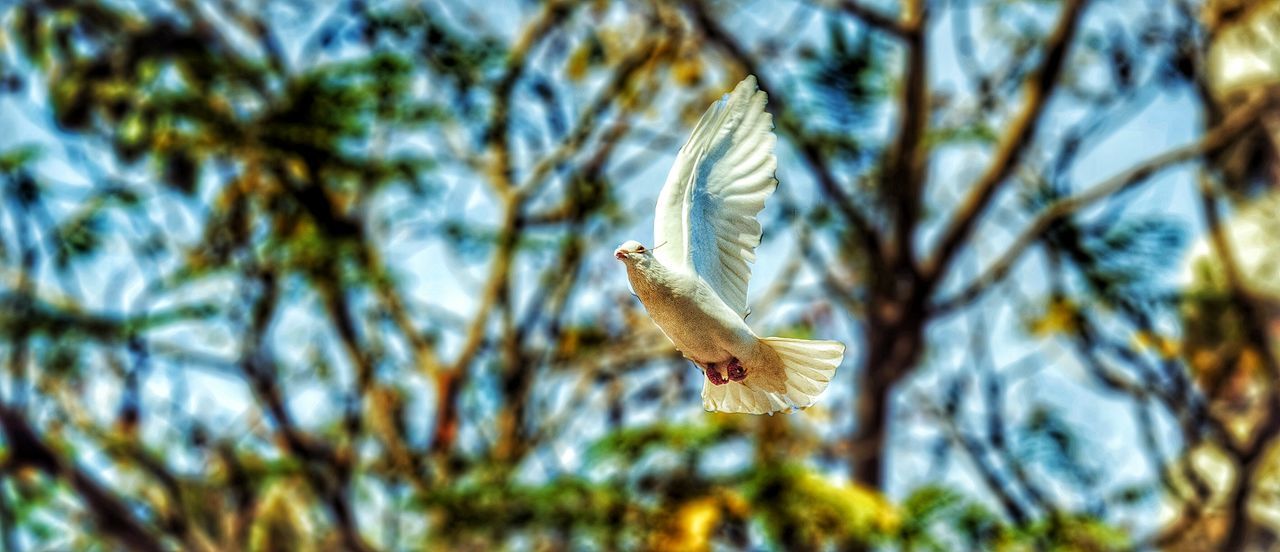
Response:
column 297, row 169
column 691, row 526
column 687, row 71
column 1061, row 316
column 579, row 60
column 279, row 522
column 1164, row 346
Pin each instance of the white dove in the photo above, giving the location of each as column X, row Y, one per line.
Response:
column 694, row 283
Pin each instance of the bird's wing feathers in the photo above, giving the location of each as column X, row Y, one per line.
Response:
column 706, row 214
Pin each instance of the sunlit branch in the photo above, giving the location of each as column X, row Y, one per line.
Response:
column 450, row 382
column 1012, row 144
column 553, row 15
column 1249, row 456
column 622, row 77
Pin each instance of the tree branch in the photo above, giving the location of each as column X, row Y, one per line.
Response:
column 906, row 171
column 1039, row 88
column 324, row 472
column 987, row 471
column 1248, row 455
column 1211, row 142
column 450, row 382
column 553, row 14
column 875, row 19
column 112, row 515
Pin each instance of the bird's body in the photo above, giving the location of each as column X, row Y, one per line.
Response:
column 675, row 301
column 694, row 285
column 700, row 325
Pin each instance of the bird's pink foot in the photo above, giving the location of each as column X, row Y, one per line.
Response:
column 714, row 376
column 736, row 371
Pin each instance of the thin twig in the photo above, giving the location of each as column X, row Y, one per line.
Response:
column 876, row 19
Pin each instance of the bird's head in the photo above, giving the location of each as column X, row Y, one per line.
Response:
column 631, row 252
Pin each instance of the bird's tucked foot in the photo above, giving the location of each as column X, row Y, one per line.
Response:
column 714, row 376
column 736, row 371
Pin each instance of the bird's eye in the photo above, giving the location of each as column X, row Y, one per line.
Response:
column 640, row 249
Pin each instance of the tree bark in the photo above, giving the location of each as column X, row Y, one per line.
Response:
column 894, row 344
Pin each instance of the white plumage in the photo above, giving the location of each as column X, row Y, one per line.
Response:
column 694, row 284
column 706, row 214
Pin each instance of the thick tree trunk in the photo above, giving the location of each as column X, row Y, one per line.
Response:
column 867, row 449
column 892, row 351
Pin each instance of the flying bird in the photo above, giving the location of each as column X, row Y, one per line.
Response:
column 693, row 282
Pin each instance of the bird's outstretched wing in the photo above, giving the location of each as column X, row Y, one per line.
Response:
column 706, row 215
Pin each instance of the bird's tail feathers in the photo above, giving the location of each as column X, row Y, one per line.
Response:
column 808, row 366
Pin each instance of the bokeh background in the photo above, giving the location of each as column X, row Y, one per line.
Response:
column 312, row 275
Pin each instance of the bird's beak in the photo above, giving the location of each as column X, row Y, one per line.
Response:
column 619, row 254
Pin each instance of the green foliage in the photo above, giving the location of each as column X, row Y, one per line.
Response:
column 1076, row 533
column 1048, row 438
column 630, row 444
column 77, row 237
column 849, row 75
column 566, row 504
column 801, row 509
column 936, row 518
column 849, row 78
column 14, row 159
